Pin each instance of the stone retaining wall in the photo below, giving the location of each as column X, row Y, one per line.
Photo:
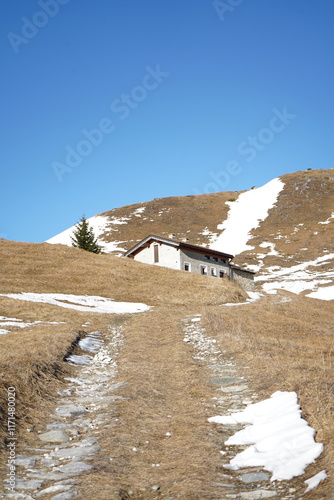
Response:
column 244, row 278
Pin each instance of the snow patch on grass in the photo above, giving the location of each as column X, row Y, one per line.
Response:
column 100, row 224
column 298, row 278
column 314, row 481
column 323, row 293
column 252, row 297
column 83, row 303
column 212, row 236
column 19, row 323
column 328, row 220
column 245, row 214
column 281, row 441
column 90, row 344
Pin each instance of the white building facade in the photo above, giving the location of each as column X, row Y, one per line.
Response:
column 181, row 255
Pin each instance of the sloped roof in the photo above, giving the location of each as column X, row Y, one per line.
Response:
column 177, row 244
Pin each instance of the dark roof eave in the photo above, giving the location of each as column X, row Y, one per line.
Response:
column 175, row 243
column 207, row 250
column 234, row 266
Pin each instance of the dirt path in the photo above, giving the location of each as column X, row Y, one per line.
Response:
column 162, row 439
column 138, row 420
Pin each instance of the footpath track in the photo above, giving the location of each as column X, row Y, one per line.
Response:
column 135, row 424
column 161, row 445
column 162, row 441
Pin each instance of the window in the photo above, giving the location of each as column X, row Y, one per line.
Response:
column 207, row 257
column 213, row 271
column 204, row 270
column 215, row 259
column 187, row 266
column 222, row 274
column 156, row 253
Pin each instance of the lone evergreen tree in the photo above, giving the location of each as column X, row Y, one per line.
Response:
column 83, row 237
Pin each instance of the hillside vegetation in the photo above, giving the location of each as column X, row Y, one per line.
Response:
column 44, row 268
column 297, row 228
column 295, row 223
column 280, row 342
column 306, row 199
column 31, row 359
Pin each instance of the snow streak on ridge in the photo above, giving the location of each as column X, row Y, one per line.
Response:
column 245, row 214
column 99, row 224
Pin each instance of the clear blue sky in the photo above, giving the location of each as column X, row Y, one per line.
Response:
column 109, row 103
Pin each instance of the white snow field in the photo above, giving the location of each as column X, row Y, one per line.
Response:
column 245, row 214
column 301, row 277
column 281, row 441
column 100, row 224
column 85, row 303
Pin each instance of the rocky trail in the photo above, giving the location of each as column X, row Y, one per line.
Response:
column 133, row 421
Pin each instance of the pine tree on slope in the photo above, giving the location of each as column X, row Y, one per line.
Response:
column 84, row 238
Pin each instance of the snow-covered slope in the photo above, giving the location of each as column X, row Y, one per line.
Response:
column 99, row 224
column 283, row 230
column 306, row 276
column 104, row 227
column 245, row 214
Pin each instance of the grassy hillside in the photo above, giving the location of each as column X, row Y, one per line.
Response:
column 31, row 359
column 299, row 228
column 307, row 198
column 285, row 343
column 184, row 216
column 294, row 223
column 45, row 268
column 281, row 342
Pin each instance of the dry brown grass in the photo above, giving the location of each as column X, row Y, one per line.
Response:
column 307, row 199
column 279, row 345
column 166, row 391
column 184, row 216
column 32, row 362
column 31, row 359
column 286, row 346
column 44, row 268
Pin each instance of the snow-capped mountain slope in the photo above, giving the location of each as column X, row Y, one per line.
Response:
column 99, row 224
column 245, row 214
column 282, row 230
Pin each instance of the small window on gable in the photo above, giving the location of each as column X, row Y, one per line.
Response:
column 213, row 271
column 187, row 266
column 156, row 253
